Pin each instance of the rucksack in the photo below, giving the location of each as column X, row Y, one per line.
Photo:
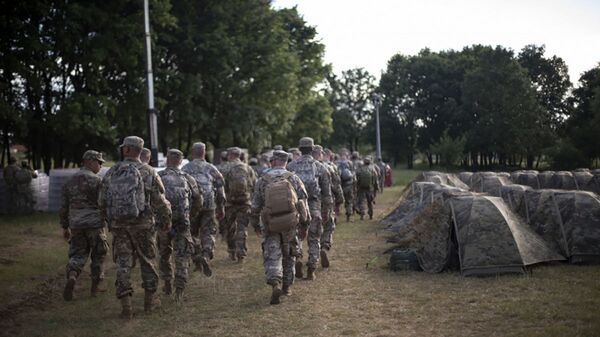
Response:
column 178, row 194
column 236, row 183
column 307, row 172
column 23, row 176
column 205, row 181
column 280, row 213
column 126, row 197
column 364, row 177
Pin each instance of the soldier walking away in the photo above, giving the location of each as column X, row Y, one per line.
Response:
column 338, row 197
column 10, row 179
column 263, row 165
column 25, row 200
column 204, row 225
column 83, row 225
column 367, row 183
column 184, row 196
column 348, row 181
column 146, row 155
column 280, row 200
column 315, row 177
column 381, row 168
column 239, row 184
column 131, row 196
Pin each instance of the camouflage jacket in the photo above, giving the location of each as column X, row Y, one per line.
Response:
column 210, row 182
column 318, row 191
column 374, row 186
column 156, row 203
column 173, row 178
column 79, row 208
column 258, row 197
column 340, row 164
column 336, row 182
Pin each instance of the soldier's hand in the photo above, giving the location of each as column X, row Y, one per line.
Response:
column 220, row 213
column 302, row 232
column 67, row 234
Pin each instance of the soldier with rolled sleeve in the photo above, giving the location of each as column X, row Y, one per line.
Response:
column 83, row 225
column 132, row 196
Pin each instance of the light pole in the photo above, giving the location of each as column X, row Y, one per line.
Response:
column 152, row 124
column 377, row 102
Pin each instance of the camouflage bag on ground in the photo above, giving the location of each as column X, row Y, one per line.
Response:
column 364, row 177
column 236, row 184
column 126, row 197
column 280, row 213
column 178, row 194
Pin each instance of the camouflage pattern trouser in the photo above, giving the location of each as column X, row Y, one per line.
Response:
column 365, row 196
column 181, row 238
column 142, row 243
column 84, row 243
column 315, row 231
column 204, row 230
column 328, row 229
column 278, row 257
column 236, row 228
column 349, row 199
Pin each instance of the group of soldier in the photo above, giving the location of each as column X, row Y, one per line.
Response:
column 290, row 196
column 20, row 198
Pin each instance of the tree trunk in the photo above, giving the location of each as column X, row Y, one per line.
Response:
column 530, row 159
column 189, row 139
column 429, row 159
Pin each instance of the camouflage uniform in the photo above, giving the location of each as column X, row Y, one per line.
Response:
column 204, row 225
column 237, row 211
column 10, row 180
column 319, row 200
column 25, row 199
column 79, row 212
column 180, row 236
column 279, row 249
column 137, row 235
column 348, row 186
column 338, row 197
column 367, row 194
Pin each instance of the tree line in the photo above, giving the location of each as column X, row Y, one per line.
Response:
column 239, row 72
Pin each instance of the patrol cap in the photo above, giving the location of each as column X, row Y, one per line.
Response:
column 93, row 155
column 318, row 148
column 234, row 150
column 329, row 152
column 280, row 155
column 367, row 159
column 146, row 151
column 355, row 154
column 199, row 146
column 224, row 154
column 264, row 157
column 277, row 147
column 175, row 153
column 306, row 142
column 133, row 141
column 293, row 150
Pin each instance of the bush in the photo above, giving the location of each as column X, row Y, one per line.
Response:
column 449, row 149
column 565, row 156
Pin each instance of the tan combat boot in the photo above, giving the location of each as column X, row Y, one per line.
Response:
column 310, row 274
column 324, row 259
column 68, row 292
column 97, row 287
column 167, row 288
column 179, row 295
column 299, row 273
column 151, row 301
column 276, row 294
column 206, row 266
column 286, row 290
column 126, row 311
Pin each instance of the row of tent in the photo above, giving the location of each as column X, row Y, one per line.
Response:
column 460, row 221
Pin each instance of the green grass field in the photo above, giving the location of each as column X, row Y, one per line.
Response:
column 358, row 296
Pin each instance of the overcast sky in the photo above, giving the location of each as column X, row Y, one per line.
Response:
column 359, row 33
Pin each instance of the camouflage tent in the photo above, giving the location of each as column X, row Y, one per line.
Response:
column 568, row 220
column 563, row 180
column 514, row 197
column 465, row 177
column 545, row 178
column 527, row 178
column 593, row 185
column 489, row 183
column 442, row 179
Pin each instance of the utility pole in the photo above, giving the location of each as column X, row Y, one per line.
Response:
column 152, row 124
column 377, row 102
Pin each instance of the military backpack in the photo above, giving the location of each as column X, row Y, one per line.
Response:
column 280, row 213
column 126, row 197
column 237, row 184
column 178, row 193
column 23, row 176
column 364, row 177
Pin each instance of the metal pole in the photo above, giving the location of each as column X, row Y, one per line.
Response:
column 152, row 124
column 377, row 101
